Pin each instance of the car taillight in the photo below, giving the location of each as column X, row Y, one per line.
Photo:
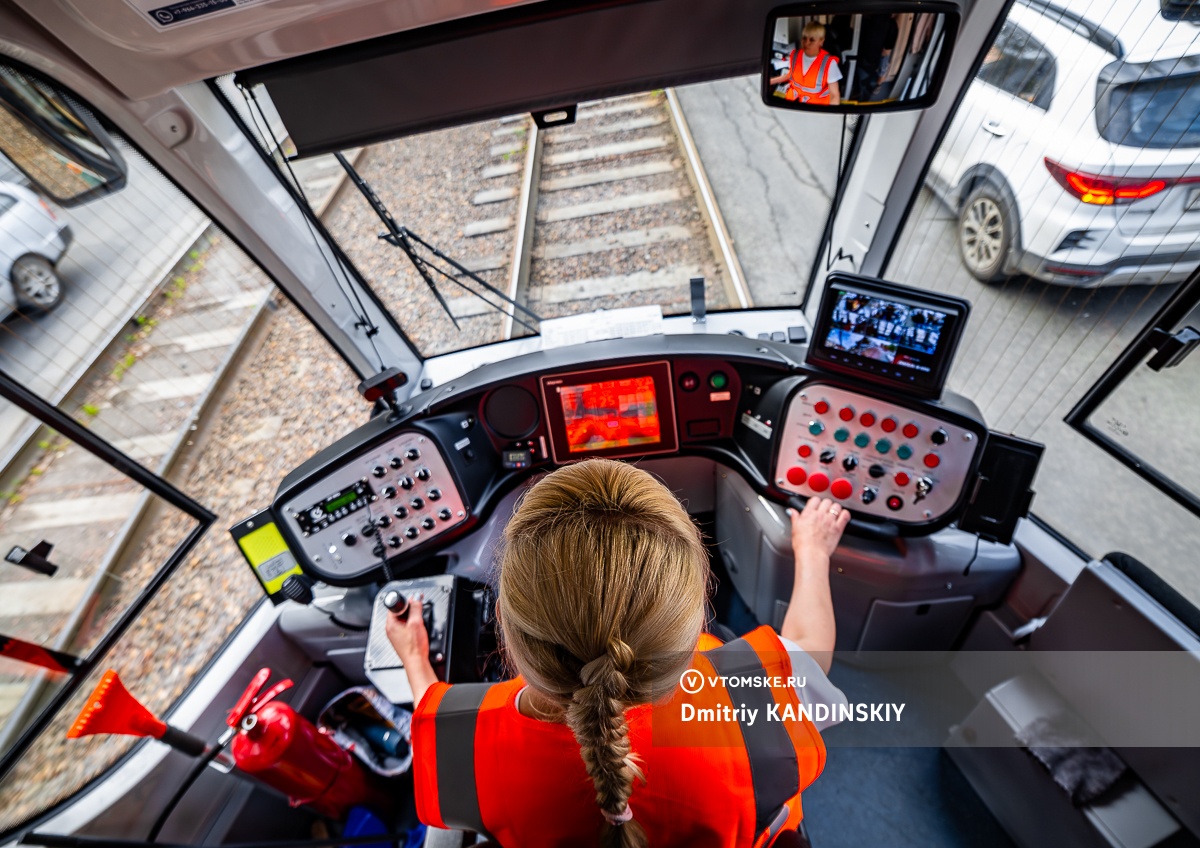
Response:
column 1104, row 191
column 46, row 206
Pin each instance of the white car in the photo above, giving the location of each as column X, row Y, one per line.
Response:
column 32, row 241
column 1080, row 178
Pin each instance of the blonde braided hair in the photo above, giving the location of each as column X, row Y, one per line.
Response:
column 602, row 583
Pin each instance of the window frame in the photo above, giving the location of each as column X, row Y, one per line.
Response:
column 1172, row 313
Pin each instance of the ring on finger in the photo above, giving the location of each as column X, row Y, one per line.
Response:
column 835, row 508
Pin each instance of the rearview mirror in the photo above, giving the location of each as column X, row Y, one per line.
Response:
column 851, row 57
column 61, row 149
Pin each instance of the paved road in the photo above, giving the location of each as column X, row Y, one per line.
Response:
column 1030, row 350
column 124, row 244
column 773, row 173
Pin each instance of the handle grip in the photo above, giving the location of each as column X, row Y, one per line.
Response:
column 862, row 529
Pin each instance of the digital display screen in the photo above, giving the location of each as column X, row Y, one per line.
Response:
column 610, row 414
column 885, row 331
column 341, row 500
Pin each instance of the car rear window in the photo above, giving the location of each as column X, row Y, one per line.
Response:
column 6, row 202
column 1158, row 113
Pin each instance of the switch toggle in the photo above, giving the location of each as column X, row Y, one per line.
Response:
column 828, row 455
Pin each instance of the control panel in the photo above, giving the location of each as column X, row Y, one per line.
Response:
column 384, row 502
column 876, row 457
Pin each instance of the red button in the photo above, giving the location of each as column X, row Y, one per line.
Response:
column 901, row 478
column 895, row 502
column 818, row 482
column 821, row 407
column 888, row 424
column 846, row 413
column 804, row 450
column 911, row 430
column 797, row 476
column 841, row 488
column 867, row 419
column 932, row 460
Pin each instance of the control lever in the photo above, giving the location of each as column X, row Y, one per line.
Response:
column 867, row 530
column 398, row 603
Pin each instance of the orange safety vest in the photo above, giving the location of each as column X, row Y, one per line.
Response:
column 479, row 765
column 811, row 87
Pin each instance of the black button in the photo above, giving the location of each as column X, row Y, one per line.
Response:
column 797, row 335
column 434, row 494
column 427, row 522
column 368, row 529
column 413, row 453
column 828, row 455
column 389, row 491
column 400, row 511
column 422, row 473
column 417, row 503
column 383, row 521
column 411, row 532
column 349, row 539
column 850, row 463
column 939, row 436
column 444, row 514
column 379, row 471
column 778, row 336
column 895, row 502
column 393, row 541
column 877, row 471
column 395, row 462
column 379, row 550
column 868, row 494
column 406, row 482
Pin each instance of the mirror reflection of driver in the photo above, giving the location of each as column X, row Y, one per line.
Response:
column 813, row 74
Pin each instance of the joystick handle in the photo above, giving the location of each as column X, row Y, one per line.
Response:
column 395, row 602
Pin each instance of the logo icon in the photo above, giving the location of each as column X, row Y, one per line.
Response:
column 691, row 681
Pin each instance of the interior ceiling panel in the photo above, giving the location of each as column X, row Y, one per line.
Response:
column 517, row 60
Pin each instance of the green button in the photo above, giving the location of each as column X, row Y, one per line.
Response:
column 816, row 428
column 883, row 446
column 718, row 380
column 841, row 434
column 904, row 451
column 862, row 440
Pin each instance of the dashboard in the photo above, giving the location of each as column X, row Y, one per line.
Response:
column 397, row 489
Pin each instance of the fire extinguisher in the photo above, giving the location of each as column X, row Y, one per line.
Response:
column 285, row 750
column 271, row 742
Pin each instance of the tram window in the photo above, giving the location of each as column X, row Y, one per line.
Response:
column 617, row 220
column 1019, row 64
column 154, row 304
column 1066, row 247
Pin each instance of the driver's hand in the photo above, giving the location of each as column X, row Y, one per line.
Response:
column 818, row 528
column 407, row 634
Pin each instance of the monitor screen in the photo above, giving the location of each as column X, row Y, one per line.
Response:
column 887, row 333
column 610, row 414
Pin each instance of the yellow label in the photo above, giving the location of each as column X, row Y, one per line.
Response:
column 269, row 556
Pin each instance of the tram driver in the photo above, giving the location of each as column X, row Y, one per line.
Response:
column 602, row 584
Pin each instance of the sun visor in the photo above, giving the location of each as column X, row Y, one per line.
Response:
column 521, row 59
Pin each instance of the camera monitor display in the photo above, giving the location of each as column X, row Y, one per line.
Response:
column 887, row 333
column 610, row 411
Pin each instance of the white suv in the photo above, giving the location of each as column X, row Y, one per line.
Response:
column 1075, row 155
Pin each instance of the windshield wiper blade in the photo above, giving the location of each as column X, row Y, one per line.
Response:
column 402, row 237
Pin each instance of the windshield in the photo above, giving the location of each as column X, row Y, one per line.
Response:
column 614, row 210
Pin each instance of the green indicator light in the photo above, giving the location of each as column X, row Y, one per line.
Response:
column 883, row 446
column 862, row 440
column 718, row 380
column 816, row 428
column 904, row 451
column 841, row 434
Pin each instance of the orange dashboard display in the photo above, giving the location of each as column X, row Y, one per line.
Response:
column 610, row 414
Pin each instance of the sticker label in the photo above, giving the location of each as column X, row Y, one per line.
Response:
column 757, row 426
column 462, row 443
column 165, row 15
column 716, row 396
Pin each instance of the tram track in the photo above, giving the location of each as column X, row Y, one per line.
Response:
column 613, row 210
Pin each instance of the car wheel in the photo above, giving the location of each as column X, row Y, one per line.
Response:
column 985, row 234
column 37, row 284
